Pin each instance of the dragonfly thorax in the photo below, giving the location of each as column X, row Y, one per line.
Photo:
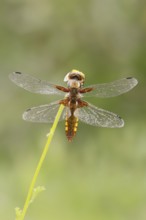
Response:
column 74, row 84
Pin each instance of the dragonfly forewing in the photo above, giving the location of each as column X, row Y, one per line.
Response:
column 112, row 89
column 33, row 84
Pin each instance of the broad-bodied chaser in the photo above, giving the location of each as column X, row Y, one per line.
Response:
column 75, row 107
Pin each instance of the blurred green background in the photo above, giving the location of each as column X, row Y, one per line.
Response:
column 102, row 173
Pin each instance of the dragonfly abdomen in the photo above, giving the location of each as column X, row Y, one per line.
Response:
column 71, row 125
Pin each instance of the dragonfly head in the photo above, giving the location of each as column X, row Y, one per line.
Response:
column 75, row 79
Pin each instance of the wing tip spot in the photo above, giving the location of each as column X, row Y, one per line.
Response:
column 135, row 81
column 27, row 110
column 17, row 72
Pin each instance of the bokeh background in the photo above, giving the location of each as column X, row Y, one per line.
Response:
column 102, row 173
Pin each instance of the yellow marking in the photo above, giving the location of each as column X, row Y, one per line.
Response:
column 76, row 124
column 71, row 125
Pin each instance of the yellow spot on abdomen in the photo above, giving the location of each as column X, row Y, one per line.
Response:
column 71, row 125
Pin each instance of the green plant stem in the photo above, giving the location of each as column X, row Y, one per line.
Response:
column 44, row 153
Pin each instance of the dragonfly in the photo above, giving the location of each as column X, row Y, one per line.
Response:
column 75, row 108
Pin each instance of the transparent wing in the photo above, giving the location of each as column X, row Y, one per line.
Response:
column 33, row 84
column 112, row 89
column 43, row 113
column 99, row 117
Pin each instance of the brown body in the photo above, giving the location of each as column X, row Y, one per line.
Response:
column 72, row 101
